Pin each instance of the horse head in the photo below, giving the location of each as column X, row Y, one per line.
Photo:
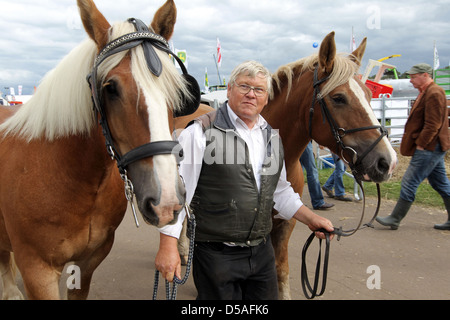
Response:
column 344, row 102
column 136, row 93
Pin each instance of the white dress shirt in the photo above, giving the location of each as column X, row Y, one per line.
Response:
column 193, row 141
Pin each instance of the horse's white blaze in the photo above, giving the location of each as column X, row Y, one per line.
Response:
column 163, row 165
column 359, row 93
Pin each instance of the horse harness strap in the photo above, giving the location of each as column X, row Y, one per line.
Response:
column 338, row 133
column 149, row 42
column 148, row 39
column 355, row 165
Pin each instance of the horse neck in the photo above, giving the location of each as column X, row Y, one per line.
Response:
column 86, row 154
column 291, row 116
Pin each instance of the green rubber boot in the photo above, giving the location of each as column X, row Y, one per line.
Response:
column 445, row 225
column 399, row 212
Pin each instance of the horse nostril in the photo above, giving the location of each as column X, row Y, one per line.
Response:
column 149, row 213
column 383, row 165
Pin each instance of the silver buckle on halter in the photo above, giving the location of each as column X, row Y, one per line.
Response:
column 355, row 154
column 129, row 194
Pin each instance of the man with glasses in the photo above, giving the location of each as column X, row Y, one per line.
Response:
column 426, row 139
column 234, row 172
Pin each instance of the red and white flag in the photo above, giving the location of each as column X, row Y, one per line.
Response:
column 352, row 42
column 219, row 53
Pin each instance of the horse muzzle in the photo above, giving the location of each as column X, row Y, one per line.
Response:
column 159, row 216
column 375, row 166
column 159, row 198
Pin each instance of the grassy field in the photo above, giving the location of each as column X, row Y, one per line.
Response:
column 425, row 195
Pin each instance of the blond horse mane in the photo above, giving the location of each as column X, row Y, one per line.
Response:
column 62, row 104
column 343, row 69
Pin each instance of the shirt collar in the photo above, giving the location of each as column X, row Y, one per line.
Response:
column 261, row 123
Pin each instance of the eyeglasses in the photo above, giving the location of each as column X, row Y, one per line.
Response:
column 244, row 89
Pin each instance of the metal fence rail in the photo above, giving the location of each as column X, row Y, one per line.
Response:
column 392, row 114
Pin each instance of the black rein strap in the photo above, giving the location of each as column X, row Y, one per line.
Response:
column 311, row 292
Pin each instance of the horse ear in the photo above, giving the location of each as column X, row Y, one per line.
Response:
column 94, row 22
column 164, row 20
column 327, row 53
column 357, row 55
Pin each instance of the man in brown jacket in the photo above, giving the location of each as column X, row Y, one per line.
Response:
column 426, row 139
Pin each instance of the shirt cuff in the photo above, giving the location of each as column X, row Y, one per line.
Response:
column 174, row 230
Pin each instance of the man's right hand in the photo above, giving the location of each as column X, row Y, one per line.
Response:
column 167, row 260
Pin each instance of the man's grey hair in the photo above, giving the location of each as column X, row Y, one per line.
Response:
column 252, row 69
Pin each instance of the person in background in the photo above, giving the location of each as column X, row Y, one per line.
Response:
column 308, row 162
column 426, row 139
column 336, row 181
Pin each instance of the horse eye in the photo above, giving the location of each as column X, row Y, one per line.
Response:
column 339, row 99
column 111, row 88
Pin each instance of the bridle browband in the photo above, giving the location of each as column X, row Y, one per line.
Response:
column 149, row 41
column 356, row 167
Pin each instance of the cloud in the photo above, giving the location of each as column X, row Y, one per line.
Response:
column 17, row 76
column 36, row 35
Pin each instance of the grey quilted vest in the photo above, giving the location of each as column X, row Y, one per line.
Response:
column 226, row 202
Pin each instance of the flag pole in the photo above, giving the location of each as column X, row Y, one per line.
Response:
column 434, row 60
column 351, row 41
column 217, row 67
column 206, row 80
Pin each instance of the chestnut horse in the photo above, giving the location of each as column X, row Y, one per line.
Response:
column 348, row 102
column 61, row 194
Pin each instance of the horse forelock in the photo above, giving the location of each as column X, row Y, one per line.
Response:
column 168, row 85
column 62, row 104
column 343, row 70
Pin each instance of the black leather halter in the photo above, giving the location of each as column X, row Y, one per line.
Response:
column 148, row 40
column 338, row 133
column 356, row 166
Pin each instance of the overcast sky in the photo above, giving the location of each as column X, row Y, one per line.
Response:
column 35, row 35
